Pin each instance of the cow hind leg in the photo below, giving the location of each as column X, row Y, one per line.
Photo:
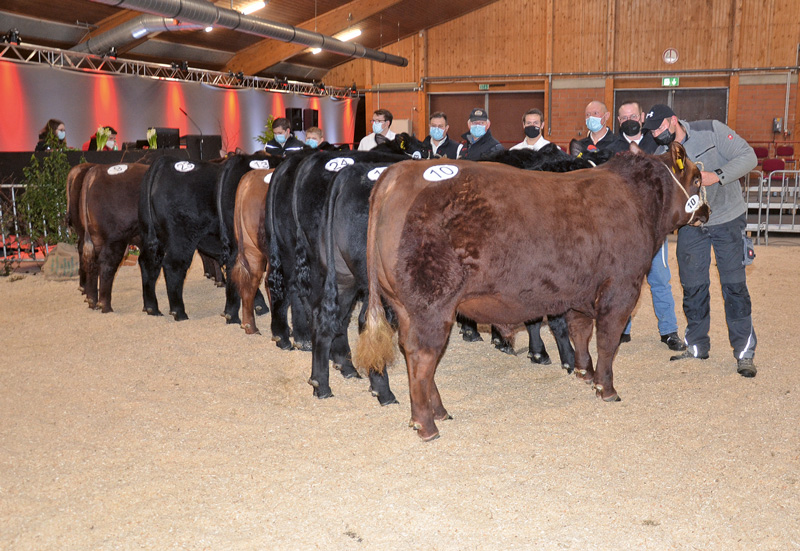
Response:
column 501, row 343
column 109, row 260
column 536, row 349
column 260, row 302
column 469, row 329
column 558, row 326
column 580, row 329
column 92, row 268
column 248, row 284
column 175, row 267
column 301, row 326
column 150, row 260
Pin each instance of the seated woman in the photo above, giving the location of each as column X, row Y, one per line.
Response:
column 52, row 136
column 110, row 145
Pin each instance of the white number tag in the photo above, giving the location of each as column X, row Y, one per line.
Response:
column 259, row 164
column 184, row 166
column 438, row 173
column 267, row 178
column 335, row 165
column 375, row 173
column 693, row 203
column 117, row 169
column 416, row 155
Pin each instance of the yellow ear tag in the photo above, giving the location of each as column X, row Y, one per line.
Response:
column 679, row 163
column 580, row 154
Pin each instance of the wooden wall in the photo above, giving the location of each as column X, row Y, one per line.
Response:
column 521, row 43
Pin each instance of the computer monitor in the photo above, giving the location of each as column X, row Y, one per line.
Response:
column 167, row 138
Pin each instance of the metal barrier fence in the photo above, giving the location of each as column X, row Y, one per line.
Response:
column 773, row 201
column 16, row 236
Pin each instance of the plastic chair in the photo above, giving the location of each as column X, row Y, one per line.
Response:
column 771, row 165
column 786, row 152
column 761, row 153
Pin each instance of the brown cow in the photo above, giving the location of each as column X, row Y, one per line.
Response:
column 109, row 213
column 504, row 246
column 249, row 212
column 74, row 185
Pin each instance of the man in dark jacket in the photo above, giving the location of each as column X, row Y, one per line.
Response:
column 438, row 140
column 479, row 139
column 600, row 136
column 282, row 142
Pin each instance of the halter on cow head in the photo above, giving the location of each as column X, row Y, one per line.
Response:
column 687, row 177
column 405, row 144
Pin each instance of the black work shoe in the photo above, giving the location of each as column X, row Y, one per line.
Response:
column 673, row 342
column 746, row 368
column 625, row 337
column 688, row 355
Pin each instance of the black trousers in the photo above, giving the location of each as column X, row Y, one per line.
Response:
column 694, row 263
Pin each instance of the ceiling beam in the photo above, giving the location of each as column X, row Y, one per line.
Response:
column 266, row 53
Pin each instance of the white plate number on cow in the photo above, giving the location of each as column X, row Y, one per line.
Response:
column 117, row 169
column 184, row 166
column 335, row 165
column 267, row 178
column 263, row 165
column 375, row 173
column 693, row 203
column 438, row 173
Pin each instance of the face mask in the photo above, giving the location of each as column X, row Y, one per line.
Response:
column 377, row 127
column 532, row 131
column 312, row 143
column 630, row 127
column 61, row 134
column 594, row 124
column 280, row 138
column 665, row 138
column 477, row 130
column 111, row 145
column 437, row 133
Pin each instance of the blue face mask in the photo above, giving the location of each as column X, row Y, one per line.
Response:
column 280, row 138
column 312, row 143
column 61, row 134
column 377, row 127
column 477, row 130
column 437, row 133
column 594, row 124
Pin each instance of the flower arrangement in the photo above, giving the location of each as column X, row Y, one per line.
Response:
column 101, row 137
column 151, row 138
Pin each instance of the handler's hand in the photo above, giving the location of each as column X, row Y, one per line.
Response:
column 709, row 178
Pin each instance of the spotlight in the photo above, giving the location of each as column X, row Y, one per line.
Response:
column 353, row 89
column 112, row 53
column 240, row 77
column 180, row 65
column 319, row 86
column 281, row 83
column 12, row 37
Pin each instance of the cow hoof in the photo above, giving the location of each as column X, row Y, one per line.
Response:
column 248, row 329
column 505, row 348
column 153, row 312
column 541, row 359
column 471, row 336
column 179, row 316
column 283, row 344
column 347, row 371
column 106, row 309
column 305, row 346
column 227, row 317
column 219, row 284
column 426, row 436
column 568, row 367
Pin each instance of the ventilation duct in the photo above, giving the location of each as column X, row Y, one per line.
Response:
column 128, row 32
column 203, row 13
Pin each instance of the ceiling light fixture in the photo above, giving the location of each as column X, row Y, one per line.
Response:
column 253, row 7
column 345, row 36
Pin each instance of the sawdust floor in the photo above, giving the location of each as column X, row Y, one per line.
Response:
column 124, row 431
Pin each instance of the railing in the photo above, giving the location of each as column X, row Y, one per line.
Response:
column 772, row 202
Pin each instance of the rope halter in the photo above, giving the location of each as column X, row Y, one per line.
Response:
column 693, row 202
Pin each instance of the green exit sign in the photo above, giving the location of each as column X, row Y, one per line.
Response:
column 670, row 81
column 483, row 86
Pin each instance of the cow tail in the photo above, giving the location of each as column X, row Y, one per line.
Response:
column 329, row 312
column 275, row 281
column 375, row 348
column 220, row 189
column 87, row 252
column 302, row 270
column 147, row 226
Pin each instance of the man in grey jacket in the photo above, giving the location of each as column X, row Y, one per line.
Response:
column 723, row 157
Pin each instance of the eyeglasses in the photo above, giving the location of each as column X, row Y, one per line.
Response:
column 629, row 118
column 376, row 120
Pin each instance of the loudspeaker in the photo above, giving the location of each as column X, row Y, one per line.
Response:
column 295, row 116
column 310, row 118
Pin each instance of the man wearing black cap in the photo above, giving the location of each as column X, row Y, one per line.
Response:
column 479, row 139
column 723, row 158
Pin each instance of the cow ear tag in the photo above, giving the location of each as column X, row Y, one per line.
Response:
column 416, row 155
column 117, row 169
column 375, row 173
column 679, row 163
column 692, row 204
column 437, row 173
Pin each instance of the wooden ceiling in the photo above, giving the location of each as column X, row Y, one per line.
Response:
column 67, row 23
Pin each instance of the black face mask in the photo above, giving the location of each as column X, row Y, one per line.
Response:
column 630, row 127
column 665, row 138
column 532, row 132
